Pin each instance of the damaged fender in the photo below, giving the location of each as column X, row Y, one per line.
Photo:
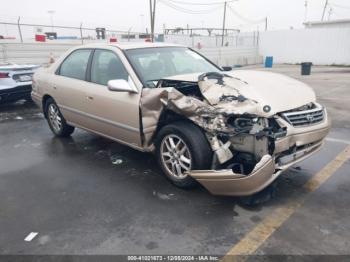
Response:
column 220, row 96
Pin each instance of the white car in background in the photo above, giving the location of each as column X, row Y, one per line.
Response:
column 15, row 82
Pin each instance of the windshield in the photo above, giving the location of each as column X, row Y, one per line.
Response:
column 153, row 64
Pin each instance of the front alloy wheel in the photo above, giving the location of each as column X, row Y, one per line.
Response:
column 180, row 148
column 175, row 156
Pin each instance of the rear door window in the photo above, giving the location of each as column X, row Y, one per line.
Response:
column 106, row 65
column 75, row 65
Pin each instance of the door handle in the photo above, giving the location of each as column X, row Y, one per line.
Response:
column 90, row 97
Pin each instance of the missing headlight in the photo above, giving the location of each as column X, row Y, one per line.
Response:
column 241, row 123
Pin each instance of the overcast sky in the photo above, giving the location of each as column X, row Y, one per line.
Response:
column 118, row 14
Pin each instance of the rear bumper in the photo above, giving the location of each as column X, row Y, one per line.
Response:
column 37, row 99
column 14, row 94
column 226, row 182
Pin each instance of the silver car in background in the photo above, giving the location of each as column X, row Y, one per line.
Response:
column 15, row 82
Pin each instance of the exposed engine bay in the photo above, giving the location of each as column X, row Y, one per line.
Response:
column 238, row 133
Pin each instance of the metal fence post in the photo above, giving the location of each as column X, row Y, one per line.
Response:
column 19, row 29
column 81, row 33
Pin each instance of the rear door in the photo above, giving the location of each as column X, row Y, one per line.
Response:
column 69, row 86
column 113, row 114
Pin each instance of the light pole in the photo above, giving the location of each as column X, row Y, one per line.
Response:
column 306, row 6
column 152, row 5
column 51, row 12
column 223, row 24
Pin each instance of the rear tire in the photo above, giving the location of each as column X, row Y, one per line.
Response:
column 56, row 121
column 180, row 148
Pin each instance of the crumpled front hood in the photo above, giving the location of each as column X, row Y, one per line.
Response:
column 279, row 92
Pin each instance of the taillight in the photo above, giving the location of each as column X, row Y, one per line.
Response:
column 4, row 75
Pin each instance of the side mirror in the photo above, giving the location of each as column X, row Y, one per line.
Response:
column 120, row 85
column 227, row 68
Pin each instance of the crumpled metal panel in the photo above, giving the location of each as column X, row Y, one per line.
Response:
column 226, row 182
column 154, row 100
column 219, row 99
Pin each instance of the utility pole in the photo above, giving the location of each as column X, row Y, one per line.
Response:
column 266, row 23
column 223, row 24
column 152, row 8
column 324, row 9
column 151, row 16
column 154, row 17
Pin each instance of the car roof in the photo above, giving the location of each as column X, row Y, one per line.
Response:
column 131, row 45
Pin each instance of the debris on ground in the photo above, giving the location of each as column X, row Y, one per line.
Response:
column 116, row 160
column 164, row 196
column 31, row 236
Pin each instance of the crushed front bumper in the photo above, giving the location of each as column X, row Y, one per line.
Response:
column 226, row 182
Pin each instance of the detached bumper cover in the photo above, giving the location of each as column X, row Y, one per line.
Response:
column 226, row 182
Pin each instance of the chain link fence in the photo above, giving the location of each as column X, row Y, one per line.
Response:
column 19, row 42
column 18, row 32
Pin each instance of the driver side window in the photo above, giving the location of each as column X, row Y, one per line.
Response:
column 106, row 66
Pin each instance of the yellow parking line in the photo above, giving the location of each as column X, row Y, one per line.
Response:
column 256, row 237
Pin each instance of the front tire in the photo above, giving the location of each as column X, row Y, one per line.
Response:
column 56, row 121
column 180, row 148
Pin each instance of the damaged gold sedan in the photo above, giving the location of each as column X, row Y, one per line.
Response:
column 234, row 132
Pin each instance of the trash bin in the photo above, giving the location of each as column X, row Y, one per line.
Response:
column 269, row 61
column 306, row 68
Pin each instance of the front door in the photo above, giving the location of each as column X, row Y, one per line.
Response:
column 113, row 114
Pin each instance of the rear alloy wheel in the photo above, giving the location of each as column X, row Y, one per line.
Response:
column 54, row 118
column 56, row 121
